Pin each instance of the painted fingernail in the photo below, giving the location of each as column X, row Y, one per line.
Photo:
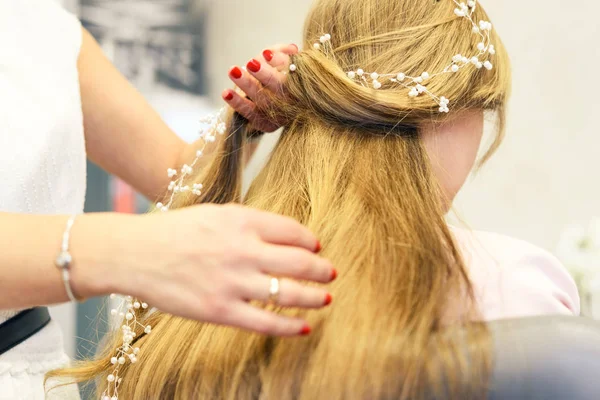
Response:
column 228, row 95
column 253, row 65
column 268, row 55
column 297, row 49
column 319, row 247
column 333, row 274
column 235, row 73
column 328, row 299
column 305, row 330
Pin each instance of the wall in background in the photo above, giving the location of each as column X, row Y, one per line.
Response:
column 547, row 173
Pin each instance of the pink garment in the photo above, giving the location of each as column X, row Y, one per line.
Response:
column 513, row 278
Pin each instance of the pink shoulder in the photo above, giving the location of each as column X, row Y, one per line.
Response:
column 530, row 280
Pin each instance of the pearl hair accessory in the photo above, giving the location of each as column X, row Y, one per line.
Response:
column 416, row 84
column 214, row 124
column 126, row 310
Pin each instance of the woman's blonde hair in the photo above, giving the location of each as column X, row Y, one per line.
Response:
column 351, row 167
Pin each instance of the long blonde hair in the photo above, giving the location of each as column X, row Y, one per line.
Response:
column 351, row 167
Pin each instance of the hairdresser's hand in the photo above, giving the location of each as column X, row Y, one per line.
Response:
column 207, row 262
column 266, row 71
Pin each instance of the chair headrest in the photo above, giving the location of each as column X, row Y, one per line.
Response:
column 546, row 358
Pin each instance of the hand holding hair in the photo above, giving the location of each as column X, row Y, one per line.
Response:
column 264, row 75
column 205, row 263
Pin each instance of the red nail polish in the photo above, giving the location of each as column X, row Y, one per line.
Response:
column 305, row 330
column 268, row 55
column 333, row 275
column 253, row 65
column 319, row 247
column 228, row 96
column 328, row 299
column 235, row 72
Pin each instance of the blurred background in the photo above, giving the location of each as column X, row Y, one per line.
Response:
column 544, row 178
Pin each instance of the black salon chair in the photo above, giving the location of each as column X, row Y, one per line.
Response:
column 546, row 358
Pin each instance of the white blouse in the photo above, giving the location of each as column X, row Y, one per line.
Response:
column 42, row 153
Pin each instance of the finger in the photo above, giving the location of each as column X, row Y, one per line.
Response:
column 291, row 293
column 247, row 108
column 296, row 263
column 277, row 229
column 246, row 82
column 278, row 60
column 289, row 49
column 268, row 76
column 242, row 105
column 246, row 316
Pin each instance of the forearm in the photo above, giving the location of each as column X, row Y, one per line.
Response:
column 32, row 243
column 124, row 134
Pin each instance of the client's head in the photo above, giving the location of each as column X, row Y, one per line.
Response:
column 370, row 171
column 412, row 37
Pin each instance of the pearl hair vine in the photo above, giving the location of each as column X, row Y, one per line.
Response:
column 214, row 124
column 126, row 353
column 417, row 84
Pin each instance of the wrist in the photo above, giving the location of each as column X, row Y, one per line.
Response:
column 98, row 243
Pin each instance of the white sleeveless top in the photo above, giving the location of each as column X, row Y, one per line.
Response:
column 42, row 152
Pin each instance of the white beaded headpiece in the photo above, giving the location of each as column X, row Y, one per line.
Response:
column 215, row 124
column 417, row 84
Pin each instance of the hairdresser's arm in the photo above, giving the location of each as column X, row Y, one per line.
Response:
column 203, row 262
column 124, row 135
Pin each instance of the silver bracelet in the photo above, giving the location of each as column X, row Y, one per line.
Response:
column 64, row 260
